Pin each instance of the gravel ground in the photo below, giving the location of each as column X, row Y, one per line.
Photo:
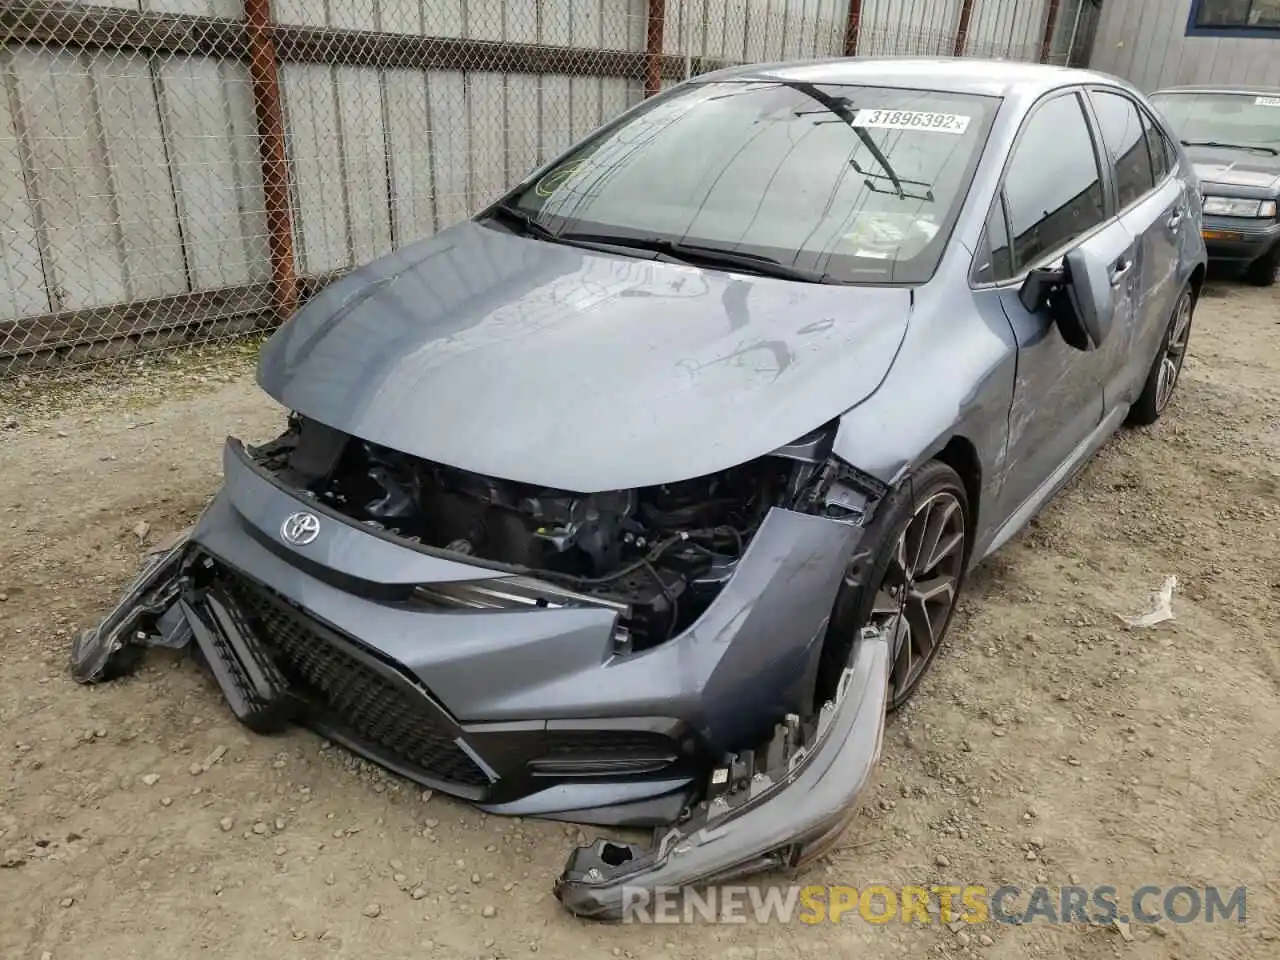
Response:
column 1049, row 742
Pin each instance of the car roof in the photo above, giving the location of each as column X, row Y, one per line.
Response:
column 993, row 78
column 1248, row 89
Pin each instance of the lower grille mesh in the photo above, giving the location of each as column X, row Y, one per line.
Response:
column 356, row 696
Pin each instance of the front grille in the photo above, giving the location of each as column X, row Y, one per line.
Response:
column 358, row 697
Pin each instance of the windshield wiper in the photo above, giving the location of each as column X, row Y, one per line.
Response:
column 1231, row 146
column 526, row 222
column 705, row 256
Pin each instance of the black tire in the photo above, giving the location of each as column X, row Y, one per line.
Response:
column 1262, row 272
column 934, row 486
column 1166, row 368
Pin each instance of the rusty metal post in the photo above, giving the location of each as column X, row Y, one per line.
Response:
column 265, row 79
column 1050, row 22
column 852, row 27
column 653, row 48
column 962, row 28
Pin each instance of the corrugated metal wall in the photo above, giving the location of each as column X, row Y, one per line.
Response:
column 1145, row 42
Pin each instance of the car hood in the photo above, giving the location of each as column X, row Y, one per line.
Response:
column 563, row 367
column 1231, row 168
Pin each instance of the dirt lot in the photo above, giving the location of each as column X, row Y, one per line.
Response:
column 1049, row 743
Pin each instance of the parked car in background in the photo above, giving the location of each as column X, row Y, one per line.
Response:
column 1232, row 134
column 639, row 497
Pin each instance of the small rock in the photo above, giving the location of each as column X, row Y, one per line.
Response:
column 260, row 828
column 166, row 801
column 475, row 878
column 150, row 779
column 372, row 910
column 427, row 795
column 141, row 529
column 489, row 912
column 985, row 940
column 67, row 902
column 398, row 878
column 432, row 823
column 942, row 860
column 418, row 893
column 1123, row 927
column 196, row 769
column 962, row 938
column 226, row 823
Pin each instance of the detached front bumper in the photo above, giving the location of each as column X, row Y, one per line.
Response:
column 779, row 807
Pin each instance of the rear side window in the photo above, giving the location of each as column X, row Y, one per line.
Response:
column 1159, row 147
column 1053, row 188
column 1126, row 143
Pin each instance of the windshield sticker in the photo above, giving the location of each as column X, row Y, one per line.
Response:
column 554, row 179
column 1267, row 101
column 954, row 123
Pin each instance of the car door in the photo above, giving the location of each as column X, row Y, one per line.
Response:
column 1149, row 204
column 1053, row 199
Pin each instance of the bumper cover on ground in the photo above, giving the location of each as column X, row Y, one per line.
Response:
column 787, row 804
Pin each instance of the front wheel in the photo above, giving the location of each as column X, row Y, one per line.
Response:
column 1167, row 366
column 907, row 580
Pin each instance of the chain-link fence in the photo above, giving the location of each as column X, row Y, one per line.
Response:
column 182, row 171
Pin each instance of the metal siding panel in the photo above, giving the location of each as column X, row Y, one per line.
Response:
column 735, row 30
column 522, row 125
column 217, row 177
column 308, row 12
column 673, row 27
column 400, row 16
column 349, row 15
column 757, row 22
column 584, row 96
column 484, row 19
column 555, row 22
column 364, row 155
column 443, row 18
column 716, row 27
column 775, row 29
column 450, row 144
column 84, row 268
column 557, row 127
column 413, row 209
column 139, row 171
column 315, row 161
column 206, row 8
column 613, row 97
column 522, row 21
column 486, row 100
column 22, row 286
column 585, row 23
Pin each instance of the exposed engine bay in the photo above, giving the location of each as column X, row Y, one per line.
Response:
column 659, row 554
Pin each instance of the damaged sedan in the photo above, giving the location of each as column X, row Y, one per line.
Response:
column 639, row 498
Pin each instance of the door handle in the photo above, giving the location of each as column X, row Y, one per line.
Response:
column 1174, row 220
column 1119, row 269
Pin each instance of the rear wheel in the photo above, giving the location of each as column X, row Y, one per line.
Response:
column 1167, row 366
column 907, row 580
column 1262, row 272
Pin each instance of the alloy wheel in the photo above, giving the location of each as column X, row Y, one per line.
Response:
column 916, row 596
column 1175, row 352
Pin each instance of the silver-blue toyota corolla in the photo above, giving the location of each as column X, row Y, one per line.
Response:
column 641, row 496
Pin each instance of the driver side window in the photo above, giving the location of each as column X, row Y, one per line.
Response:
column 1053, row 186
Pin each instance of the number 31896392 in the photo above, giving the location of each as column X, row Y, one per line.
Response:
column 953, row 123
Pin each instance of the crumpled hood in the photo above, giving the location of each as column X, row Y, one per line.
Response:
column 1237, row 172
column 577, row 370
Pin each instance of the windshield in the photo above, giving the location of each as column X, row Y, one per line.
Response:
column 850, row 183
column 1242, row 119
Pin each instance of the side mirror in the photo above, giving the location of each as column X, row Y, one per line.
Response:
column 1077, row 295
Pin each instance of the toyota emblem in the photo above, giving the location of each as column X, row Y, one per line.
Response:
column 300, row 528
